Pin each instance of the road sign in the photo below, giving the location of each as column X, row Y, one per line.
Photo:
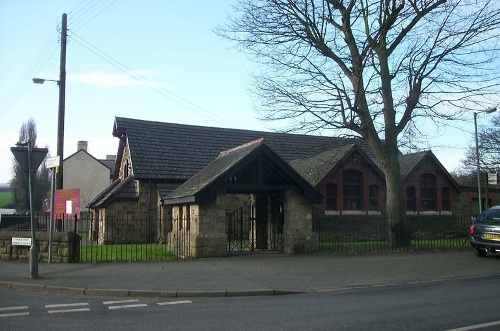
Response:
column 21, row 155
column 16, row 241
column 52, row 162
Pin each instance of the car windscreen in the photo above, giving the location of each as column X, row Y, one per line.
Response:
column 489, row 216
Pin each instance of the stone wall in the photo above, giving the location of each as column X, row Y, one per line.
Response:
column 65, row 246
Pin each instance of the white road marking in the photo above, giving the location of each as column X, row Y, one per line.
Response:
column 124, row 306
column 67, row 305
column 128, row 306
column 477, row 326
column 68, row 310
column 14, row 309
column 174, row 302
column 121, row 301
column 14, row 314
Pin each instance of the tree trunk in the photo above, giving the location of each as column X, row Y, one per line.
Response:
column 398, row 232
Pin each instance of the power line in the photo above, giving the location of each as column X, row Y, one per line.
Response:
column 88, row 13
column 149, row 83
column 32, row 70
column 84, row 12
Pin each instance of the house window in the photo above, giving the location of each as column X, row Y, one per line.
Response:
column 445, row 198
column 411, row 199
column 374, row 198
column 428, row 192
column 352, row 189
column 331, row 196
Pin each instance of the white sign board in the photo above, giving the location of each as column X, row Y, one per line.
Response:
column 52, row 162
column 492, row 178
column 21, row 241
column 69, row 207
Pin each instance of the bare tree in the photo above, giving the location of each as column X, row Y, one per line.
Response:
column 489, row 138
column 489, row 150
column 19, row 183
column 379, row 69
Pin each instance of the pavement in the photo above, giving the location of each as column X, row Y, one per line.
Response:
column 248, row 275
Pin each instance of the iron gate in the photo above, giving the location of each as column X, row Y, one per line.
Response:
column 241, row 229
column 243, row 232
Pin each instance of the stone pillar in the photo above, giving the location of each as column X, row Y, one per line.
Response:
column 211, row 239
column 298, row 226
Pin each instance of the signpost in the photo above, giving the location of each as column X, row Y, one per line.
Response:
column 52, row 163
column 29, row 160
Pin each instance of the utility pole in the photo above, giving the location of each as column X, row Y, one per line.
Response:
column 62, row 93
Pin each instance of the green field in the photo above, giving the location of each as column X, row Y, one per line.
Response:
column 6, row 198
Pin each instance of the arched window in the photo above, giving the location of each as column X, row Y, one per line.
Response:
column 352, row 190
column 374, row 203
column 411, row 199
column 331, row 196
column 445, row 198
column 428, row 192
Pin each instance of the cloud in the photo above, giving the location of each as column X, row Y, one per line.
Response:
column 110, row 80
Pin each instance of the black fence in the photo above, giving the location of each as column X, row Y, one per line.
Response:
column 62, row 223
column 110, row 239
column 370, row 233
column 116, row 239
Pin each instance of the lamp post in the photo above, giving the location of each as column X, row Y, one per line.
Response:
column 487, row 111
column 60, row 129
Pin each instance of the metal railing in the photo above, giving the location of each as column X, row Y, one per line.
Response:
column 114, row 239
column 62, row 223
column 370, row 233
column 135, row 239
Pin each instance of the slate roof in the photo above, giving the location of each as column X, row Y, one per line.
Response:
column 212, row 171
column 228, row 164
column 109, row 163
column 119, row 189
column 161, row 150
column 408, row 163
column 314, row 168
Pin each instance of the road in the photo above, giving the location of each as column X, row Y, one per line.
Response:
column 469, row 303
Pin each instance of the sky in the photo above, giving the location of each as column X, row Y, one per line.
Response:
column 149, row 59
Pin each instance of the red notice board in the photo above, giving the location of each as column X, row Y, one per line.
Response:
column 67, row 201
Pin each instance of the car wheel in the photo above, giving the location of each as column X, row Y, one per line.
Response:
column 479, row 252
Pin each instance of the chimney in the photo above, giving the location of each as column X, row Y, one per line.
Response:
column 82, row 144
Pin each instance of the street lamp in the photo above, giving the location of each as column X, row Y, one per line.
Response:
column 487, row 111
column 60, row 127
column 42, row 80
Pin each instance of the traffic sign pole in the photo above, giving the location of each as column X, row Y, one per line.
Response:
column 29, row 159
column 52, row 163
